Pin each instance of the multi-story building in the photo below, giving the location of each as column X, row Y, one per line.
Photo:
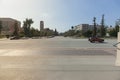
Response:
column 41, row 25
column 85, row 27
column 8, row 25
column 81, row 27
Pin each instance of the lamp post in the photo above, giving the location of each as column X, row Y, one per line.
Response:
column 119, row 28
column 118, row 49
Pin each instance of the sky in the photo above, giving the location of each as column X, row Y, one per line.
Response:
column 61, row 14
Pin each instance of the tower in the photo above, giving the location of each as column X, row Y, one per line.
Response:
column 41, row 25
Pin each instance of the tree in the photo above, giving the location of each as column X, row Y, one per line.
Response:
column 117, row 25
column 102, row 31
column 118, row 22
column 87, row 34
column 113, row 32
column 116, row 30
column 34, row 32
column 16, row 29
column 55, row 32
column 95, row 29
column 72, row 27
column 1, row 27
column 26, row 26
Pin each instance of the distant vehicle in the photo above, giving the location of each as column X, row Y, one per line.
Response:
column 24, row 38
column 95, row 39
column 35, row 37
column 14, row 38
column 50, row 36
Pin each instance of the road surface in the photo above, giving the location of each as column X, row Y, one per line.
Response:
column 58, row 59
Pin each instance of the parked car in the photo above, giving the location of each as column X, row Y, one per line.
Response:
column 14, row 38
column 95, row 39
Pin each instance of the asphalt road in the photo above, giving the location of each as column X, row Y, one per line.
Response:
column 58, row 59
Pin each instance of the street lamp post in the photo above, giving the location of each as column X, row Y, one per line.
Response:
column 119, row 28
column 118, row 49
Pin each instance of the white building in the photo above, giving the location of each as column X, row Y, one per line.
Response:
column 85, row 27
column 82, row 27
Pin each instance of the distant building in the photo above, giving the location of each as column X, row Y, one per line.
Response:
column 85, row 27
column 82, row 27
column 41, row 25
column 8, row 25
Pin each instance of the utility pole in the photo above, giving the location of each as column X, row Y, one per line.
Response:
column 95, row 29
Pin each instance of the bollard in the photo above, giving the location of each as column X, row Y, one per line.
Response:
column 118, row 51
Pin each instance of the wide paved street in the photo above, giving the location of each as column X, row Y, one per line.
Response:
column 58, row 58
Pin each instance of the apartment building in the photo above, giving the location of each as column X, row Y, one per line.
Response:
column 85, row 27
column 8, row 25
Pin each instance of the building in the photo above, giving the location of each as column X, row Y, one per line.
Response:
column 85, row 27
column 8, row 25
column 82, row 27
column 41, row 25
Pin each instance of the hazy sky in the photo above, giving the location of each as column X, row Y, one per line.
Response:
column 61, row 14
